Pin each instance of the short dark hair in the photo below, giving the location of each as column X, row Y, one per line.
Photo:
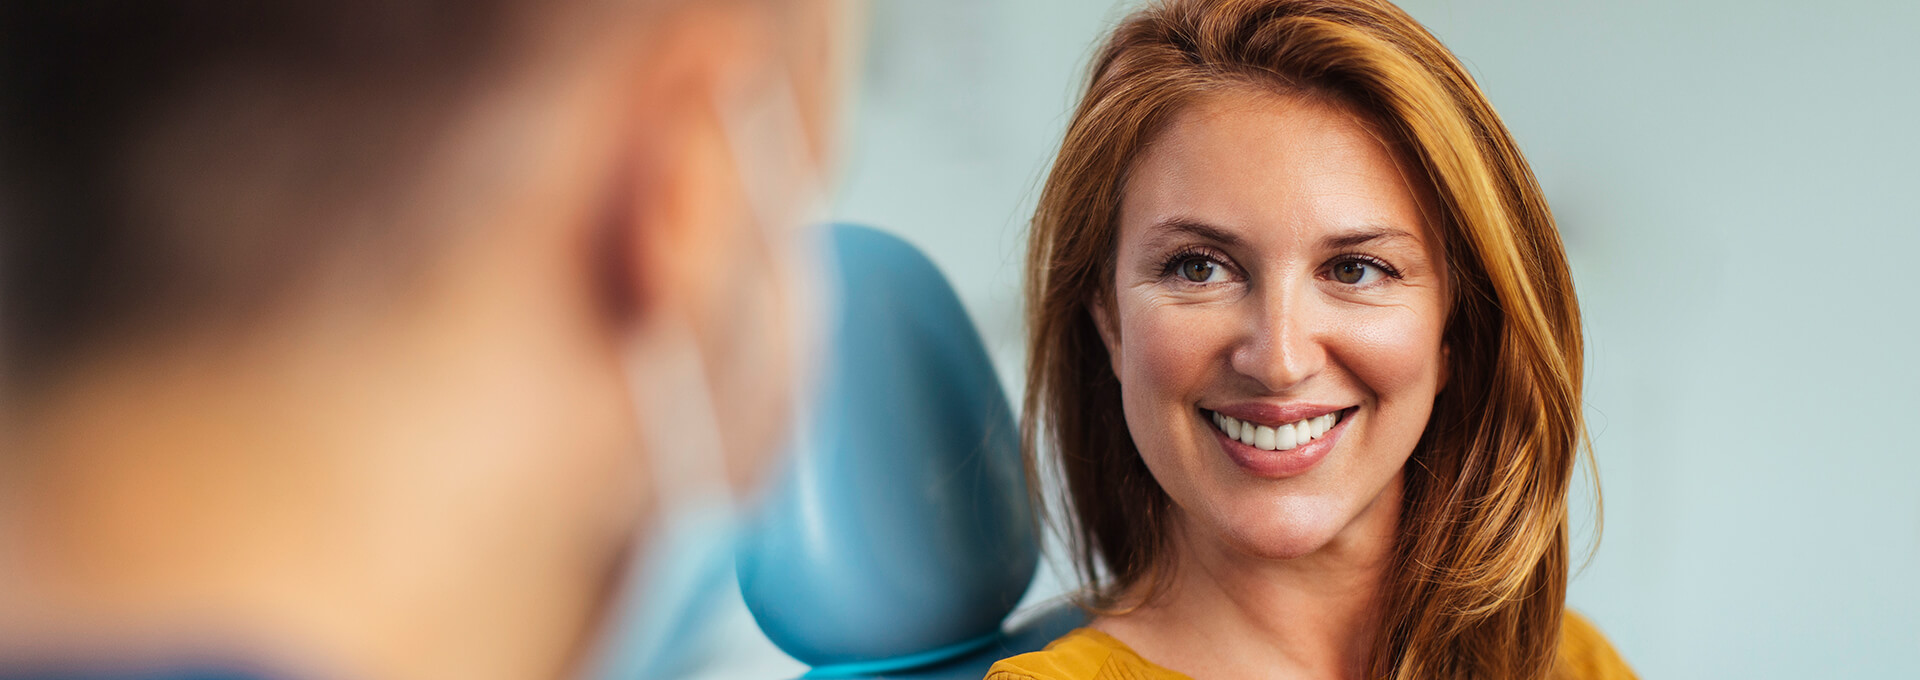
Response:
column 164, row 160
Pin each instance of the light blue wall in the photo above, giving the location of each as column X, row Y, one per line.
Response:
column 1739, row 187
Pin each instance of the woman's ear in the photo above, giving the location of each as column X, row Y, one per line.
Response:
column 1446, row 366
column 1105, row 323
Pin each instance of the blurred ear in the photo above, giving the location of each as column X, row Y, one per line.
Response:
column 678, row 201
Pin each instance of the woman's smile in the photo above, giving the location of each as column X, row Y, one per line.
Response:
column 1266, row 442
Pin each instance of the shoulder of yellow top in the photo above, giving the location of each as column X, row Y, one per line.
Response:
column 1585, row 653
column 1074, row 656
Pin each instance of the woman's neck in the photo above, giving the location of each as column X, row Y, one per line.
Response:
column 1226, row 614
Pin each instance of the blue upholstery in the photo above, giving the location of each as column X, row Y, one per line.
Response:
column 902, row 537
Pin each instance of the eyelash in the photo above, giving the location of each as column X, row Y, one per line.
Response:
column 1368, row 260
column 1171, row 265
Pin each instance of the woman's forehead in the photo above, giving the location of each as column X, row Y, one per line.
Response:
column 1252, row 162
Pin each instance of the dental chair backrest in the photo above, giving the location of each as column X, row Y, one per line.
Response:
column 902, row 537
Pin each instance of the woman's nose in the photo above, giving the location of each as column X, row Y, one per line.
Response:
column 1282, row 346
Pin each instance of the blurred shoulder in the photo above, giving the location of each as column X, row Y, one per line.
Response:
column 1083, row 654
column 1585, row 654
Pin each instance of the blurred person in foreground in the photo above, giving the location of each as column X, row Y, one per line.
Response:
column 387, row 339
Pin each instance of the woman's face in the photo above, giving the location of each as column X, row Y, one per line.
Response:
column 1276, row 321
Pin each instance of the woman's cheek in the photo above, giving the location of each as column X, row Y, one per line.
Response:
column 1395, row 352
column 1165, row 355
column 1166, row 349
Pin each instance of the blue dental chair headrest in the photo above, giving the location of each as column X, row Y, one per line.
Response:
column 902, row 536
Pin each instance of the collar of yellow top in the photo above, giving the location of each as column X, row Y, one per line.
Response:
column 1082, row 654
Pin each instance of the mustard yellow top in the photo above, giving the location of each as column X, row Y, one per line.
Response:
column 1088, row 654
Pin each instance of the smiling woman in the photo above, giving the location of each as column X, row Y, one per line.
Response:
column 1315, row 295
column 1306, row 347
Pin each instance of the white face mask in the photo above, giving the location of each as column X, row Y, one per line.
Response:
column 686, row 560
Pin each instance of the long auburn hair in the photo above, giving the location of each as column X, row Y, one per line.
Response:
column 1481, row 561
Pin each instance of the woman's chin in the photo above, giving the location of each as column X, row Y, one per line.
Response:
column 1287, row 524
column 1282, row 536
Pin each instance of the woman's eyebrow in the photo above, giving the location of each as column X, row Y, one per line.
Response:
column 1174, row 227
column 1364, row 235
column 1170, row 228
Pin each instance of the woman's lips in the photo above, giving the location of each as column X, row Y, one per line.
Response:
column 1274, row 454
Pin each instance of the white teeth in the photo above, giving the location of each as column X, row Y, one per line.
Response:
column 1276, row 438
column 1263, row 437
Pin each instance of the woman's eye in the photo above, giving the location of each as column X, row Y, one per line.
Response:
column 1199, row 270
column 1352, row 272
